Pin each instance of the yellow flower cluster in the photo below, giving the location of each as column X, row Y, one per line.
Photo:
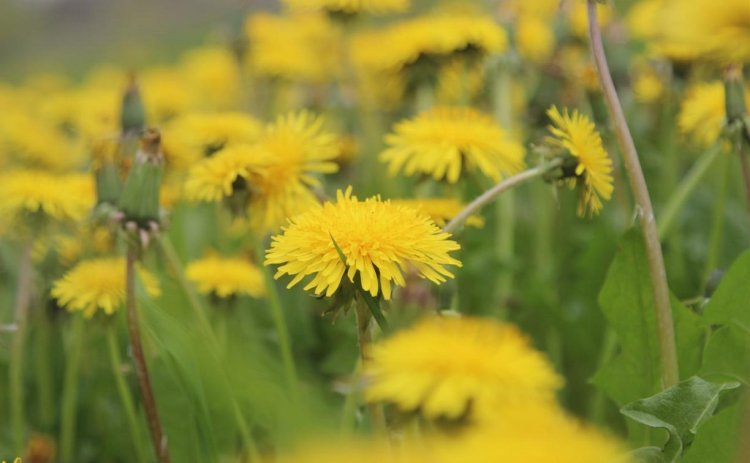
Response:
column 226, row 277
column 378, row 240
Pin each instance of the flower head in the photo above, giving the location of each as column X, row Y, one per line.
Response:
column 215, row 178
column 214, row 75
column 60, row 197
column 535, row 38
column 703, row 112
column 378, row 239
column 450, row 367
column 226, row 277
column 577, row 135
column 98, row 284
column 444, row 142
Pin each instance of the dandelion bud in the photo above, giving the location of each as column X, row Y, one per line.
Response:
column 140, row 195
column 734, row 94
column 132, row 114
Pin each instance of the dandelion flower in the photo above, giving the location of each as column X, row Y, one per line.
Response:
column 440, row 210
column 535, row 39
column 577, row 135
column 704, row 29
column 703, row 112
column 215, row 178
column 61, row 197
column 193, row 136
column 214, row 75
column 444, row 142
column 98, row 284
column 351, row 6
column 226, row 277
column 166, row 94
column 514, row 437
column 36, row 143
column 648, row 86
column 379, row 240
column 452, row 367
column 290, row 154
column 294, row 47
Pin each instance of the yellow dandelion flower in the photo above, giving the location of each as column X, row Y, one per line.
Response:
column 379, row 240
column 704, row 29
column 62, row 197
column 291, row 153
column 440, row 210
column 535, row 38
column 648, row 85
column 213, row 178
column 577, row 135
column 166, row 94
column 226, row 277
column 444, row 142
column 350, row 6
column 98, row 284
column 214, row 75
column 514, row 437
column 643, row 19
column 193, row 136
column 452, row 367
column 35, row 142
column 703, row 112
column 294, row 47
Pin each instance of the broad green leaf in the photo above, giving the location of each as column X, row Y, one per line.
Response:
column 717, row 438
column 727, row 355
column 649, row 455
column 729, row 304
column 680, row 410
column 627, row 302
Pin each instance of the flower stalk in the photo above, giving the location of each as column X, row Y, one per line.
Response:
column 364, row 339
column 664, row 322
column 21, row 311
column 70, row 391
column 144, row 382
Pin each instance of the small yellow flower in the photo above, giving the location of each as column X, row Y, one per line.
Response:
column 166, row 94
column 535, row 38
column 440, row 210
column 213, row 179
column 379, row 240
column 648, row 85
column 226, row 277
column 577, row 135
column 213, row 73
column 36, row 143
column 643, row 19
column 61, row 197
column 703, row 112
column 351, row 6
column 513, row 436
column 451, row 367
column 98, row 284
column 444, row 142
column 294, row 47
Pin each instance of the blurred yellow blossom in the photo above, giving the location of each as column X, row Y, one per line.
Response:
column 351, row 6
column 213, row 75
column 703, row 112
column 535, row 39
column 226, row 276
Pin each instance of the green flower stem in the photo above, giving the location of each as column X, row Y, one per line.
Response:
column 17, row 348
column 488, row 196
column 159, row 440
column 364, row 339
column 279, row 321
column 685, row 188
column 70, row 390
column 173, row 261
column 43, row 364
column 718, row 219
column 123, row 391
column 665, row 325
column 349, row 411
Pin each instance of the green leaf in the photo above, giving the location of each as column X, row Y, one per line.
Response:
column 680, row 410
column 728, row 305
column 718, row 438
column 626, row 299
column 727, row 355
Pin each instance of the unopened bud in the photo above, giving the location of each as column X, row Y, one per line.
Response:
column 132, row 114
column 140, row 195
column 734, row 94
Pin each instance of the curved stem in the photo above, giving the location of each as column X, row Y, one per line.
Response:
column 21, row 311
column 664, row 322
column 685, row 188
column 70, row 391
column 126, row 400
column 489, row 195
column 141, row 368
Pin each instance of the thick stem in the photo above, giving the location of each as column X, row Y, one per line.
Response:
column 17, row 348
column 123, row 391
column 70, row 391
column 685, row 188
column 279, row 321
column 488, row 196
column 158, row 438
column 664, row 323
column 364, row 338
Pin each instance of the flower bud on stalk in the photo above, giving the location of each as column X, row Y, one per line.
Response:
column 139, row 202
